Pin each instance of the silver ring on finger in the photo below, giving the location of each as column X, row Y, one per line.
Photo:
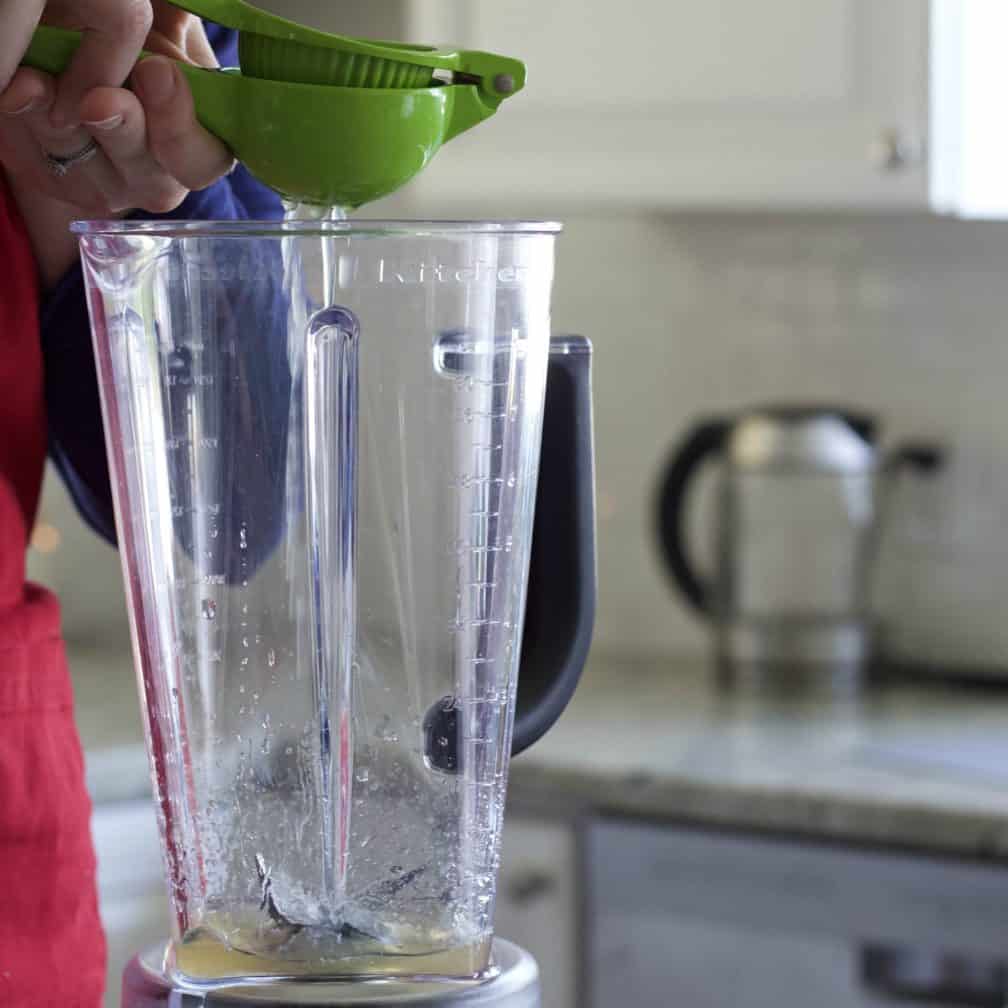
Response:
column 61, row 165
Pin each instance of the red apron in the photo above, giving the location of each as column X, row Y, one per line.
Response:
column 52, row 950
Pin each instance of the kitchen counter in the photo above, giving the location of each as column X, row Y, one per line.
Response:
column 922, row 767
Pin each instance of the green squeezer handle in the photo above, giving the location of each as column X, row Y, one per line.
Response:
column 335, row 146
column 495, row 76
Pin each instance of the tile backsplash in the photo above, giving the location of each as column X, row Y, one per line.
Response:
column 704, row 313
column 904, row 317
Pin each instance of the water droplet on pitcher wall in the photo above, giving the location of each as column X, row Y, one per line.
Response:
column 209, row 609
column 271, row 657
column 384, row 730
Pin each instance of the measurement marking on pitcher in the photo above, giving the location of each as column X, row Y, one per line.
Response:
column 486, row 348
column 469, row 382
column 176, row 444
column 467, row 480
column 178, row 511
column 487, row 702
column 469, row 415
column 204, row 581
column 483, row 550
column 459, row 624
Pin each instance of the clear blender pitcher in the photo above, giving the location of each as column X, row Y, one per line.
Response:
column 324, row 440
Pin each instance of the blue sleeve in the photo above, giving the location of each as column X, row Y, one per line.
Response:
column 76, row 438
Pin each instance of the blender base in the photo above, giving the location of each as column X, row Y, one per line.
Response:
column 516, row 986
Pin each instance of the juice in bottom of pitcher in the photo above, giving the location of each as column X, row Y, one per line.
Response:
column 205, row 956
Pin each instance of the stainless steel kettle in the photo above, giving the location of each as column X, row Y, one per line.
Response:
column 800, row 497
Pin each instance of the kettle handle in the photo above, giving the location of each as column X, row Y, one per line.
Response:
column 560, row 605
column 703, row 441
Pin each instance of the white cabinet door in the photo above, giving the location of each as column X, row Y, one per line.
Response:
column 131, row 887
column 537, row 904
column 671, row 103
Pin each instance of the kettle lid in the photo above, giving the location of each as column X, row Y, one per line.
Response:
column 820, row 438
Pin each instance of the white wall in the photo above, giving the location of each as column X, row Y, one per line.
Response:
column 370, row 18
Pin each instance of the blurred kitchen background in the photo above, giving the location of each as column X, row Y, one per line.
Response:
column 795, row 201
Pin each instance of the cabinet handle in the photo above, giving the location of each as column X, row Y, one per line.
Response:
column 891, row 152
column 915, row 976
column 531, row 886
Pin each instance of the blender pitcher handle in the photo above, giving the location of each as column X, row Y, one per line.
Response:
column 560, row 606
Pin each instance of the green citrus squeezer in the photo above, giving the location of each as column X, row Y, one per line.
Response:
column 325, row 118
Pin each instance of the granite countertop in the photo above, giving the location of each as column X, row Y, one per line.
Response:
column 914, row 766
column 919, row 766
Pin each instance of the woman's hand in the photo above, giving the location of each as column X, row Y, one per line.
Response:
column 140, row 149
column 129, row 149
column 114, row 32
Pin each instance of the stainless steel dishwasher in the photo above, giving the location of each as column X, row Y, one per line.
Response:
column 689, row 918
